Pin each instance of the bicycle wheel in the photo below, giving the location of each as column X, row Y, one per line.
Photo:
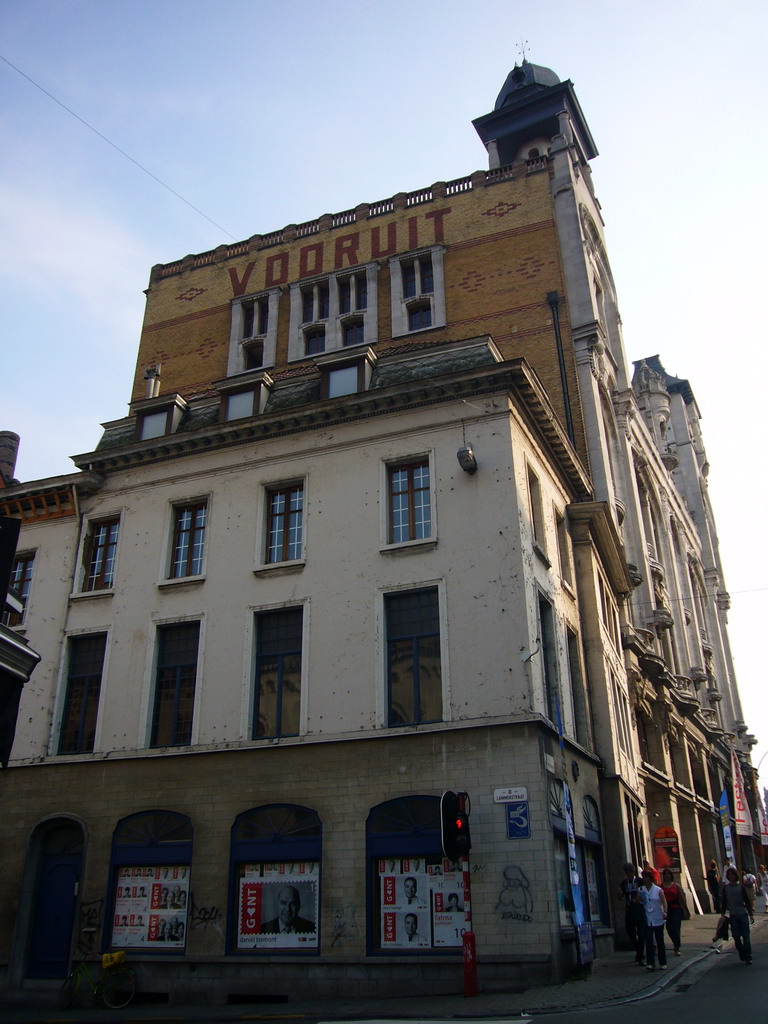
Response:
column 118, row 987
column 69, row 990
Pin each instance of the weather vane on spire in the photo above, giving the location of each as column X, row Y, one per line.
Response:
column 522, row 47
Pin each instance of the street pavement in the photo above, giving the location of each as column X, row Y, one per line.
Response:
column 612, row 979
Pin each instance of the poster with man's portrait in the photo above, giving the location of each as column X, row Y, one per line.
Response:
column 278, row 906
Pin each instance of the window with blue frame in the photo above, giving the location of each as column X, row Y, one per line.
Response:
column 150, row 897
column 274, row 892
column 416, row 896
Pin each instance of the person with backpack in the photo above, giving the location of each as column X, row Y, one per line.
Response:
column 737, row 903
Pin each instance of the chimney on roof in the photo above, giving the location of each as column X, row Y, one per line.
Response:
column 152, row 377
column 9, row 449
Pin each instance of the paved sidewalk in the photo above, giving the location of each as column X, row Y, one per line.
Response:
column 611, row 979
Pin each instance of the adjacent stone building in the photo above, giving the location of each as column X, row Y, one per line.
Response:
column 387, row 516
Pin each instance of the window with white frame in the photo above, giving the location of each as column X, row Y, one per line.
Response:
column 253, row 333
column 409, row 501
column 284, row 523
column 188, row 541
column 100, row 553
column 333, row 311
column 20, row 582
column 418, row 291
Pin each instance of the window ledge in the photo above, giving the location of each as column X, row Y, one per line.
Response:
column 568, row 587
column 542, row 555
column 181, row 581
column 87, row 595
column 405, row 547
column 280, row 568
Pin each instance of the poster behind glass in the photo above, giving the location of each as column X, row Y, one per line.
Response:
column 421, row 903
column 151, row 907
column 278, row 905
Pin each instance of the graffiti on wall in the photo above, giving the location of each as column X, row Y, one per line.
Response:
column 91, row 915
column 345, row 926
column 515, row 902
column 206, row 917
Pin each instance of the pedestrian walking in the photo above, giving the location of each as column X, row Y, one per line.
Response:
column 713, row 884
column 652, row 898
column 634, row 912
column 677, row 908
column 762, row 878
column 737, row 904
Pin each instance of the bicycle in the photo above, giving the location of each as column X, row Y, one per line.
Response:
column 115, row 986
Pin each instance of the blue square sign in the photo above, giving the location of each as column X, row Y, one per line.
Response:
column 518, row 820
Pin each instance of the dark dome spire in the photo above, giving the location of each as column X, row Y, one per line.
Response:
column 524, row 76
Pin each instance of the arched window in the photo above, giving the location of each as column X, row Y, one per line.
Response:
column 149, row 900
column 274, row 889
column 416, row 896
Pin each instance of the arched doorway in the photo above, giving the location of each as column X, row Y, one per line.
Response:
column 58, row 848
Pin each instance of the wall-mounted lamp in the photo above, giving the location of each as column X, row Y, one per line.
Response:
column 467, row 459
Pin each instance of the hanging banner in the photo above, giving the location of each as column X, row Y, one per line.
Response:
column 725, row 821
column 763, row 819
column 742, row 814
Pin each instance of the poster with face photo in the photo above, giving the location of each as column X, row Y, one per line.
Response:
column 278, row 906
column 448, row 911
column 151, row 907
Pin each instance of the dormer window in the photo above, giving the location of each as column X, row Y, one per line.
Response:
column 345, row 374
column 244, row 396
column 153, row 424
column 156, row 417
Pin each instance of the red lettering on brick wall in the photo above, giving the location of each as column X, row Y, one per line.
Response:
column 376, row 248
column 311, row 259
column 437, row 216
column 347, row 245
column 277, row 270
column 413, row 232
column 239, row 285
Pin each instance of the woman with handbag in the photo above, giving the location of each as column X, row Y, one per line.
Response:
column 677, row 908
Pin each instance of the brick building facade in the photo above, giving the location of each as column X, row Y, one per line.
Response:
column 376, row 526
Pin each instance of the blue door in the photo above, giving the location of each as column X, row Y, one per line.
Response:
column 54, row 915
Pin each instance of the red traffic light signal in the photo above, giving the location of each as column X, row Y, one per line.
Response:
column 454, row 825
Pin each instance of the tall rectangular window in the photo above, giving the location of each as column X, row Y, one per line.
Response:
column 410, row 512
column 563, row 549
column 175, row 684
column 537, row 514
column 549, row 660
column 278, row 673
column 578, row 691
column 285, row 523
column 81, row 704
column 414, row 676
column 21, row 579
column 100, row 552
column 188, row 540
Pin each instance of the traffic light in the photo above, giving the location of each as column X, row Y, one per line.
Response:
column 454, row 825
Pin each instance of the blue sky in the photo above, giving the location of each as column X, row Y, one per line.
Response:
column 261, row 115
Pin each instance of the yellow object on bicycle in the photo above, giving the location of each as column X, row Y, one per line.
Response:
column 110, row 959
